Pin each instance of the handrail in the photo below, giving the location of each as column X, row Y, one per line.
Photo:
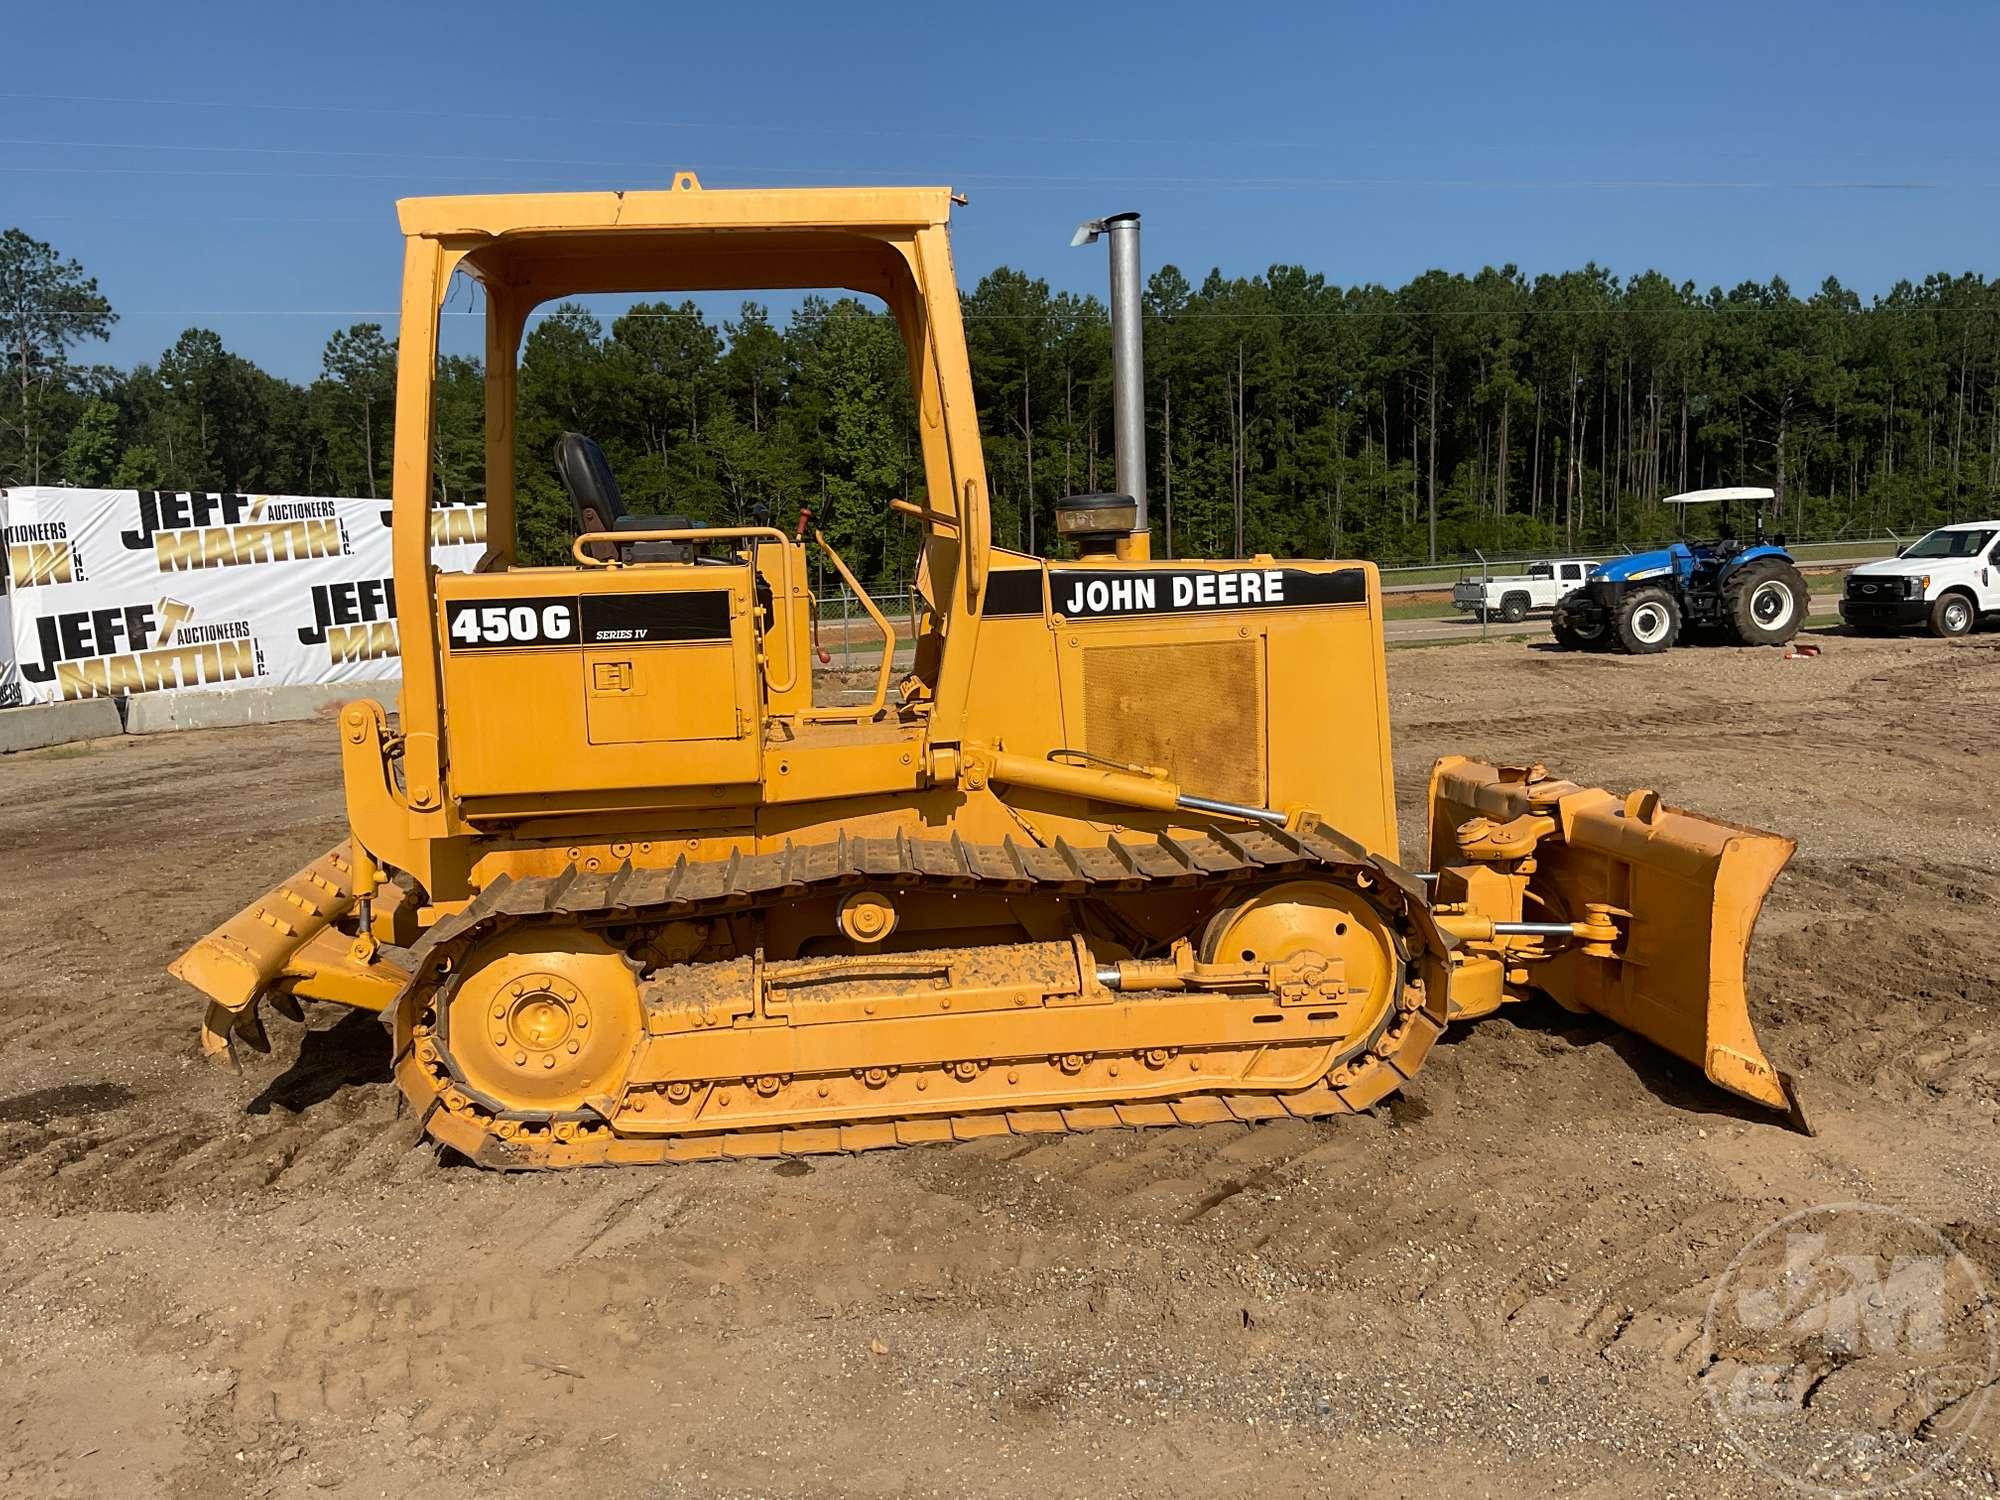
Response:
column 974, row 540
column 711, row 534
column 925, row 514
column 860, row 712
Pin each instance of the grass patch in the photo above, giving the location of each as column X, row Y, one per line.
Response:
column 80, row 750
column 1421, row 611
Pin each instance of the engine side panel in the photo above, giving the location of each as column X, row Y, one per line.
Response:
column 1253, row 682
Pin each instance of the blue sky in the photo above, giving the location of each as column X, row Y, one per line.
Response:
column 236, row 165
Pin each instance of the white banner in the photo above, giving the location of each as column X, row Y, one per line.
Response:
column 133, row 591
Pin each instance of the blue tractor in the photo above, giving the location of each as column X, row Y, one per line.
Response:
column 1749, row 593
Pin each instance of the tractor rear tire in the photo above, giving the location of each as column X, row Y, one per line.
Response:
column 1514, row 608
column 1953, row 614
column 1649, row 621
column 1765, row 602
column 1572, row 635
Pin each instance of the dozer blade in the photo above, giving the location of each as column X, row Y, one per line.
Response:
column 284, row 942
column 1683, row 891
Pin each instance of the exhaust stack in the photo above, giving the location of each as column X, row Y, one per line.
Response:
column 1128, row 366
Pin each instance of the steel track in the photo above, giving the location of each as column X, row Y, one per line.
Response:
column 1228, row 863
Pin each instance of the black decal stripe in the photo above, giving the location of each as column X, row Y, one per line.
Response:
column 1113, row 592
column 1013, row 592
column 646, row 619
column 649, row 619
column 1347, row 586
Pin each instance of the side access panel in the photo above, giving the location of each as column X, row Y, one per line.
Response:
column 566, row 681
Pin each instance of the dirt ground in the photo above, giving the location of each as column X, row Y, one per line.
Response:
column 261, row 1286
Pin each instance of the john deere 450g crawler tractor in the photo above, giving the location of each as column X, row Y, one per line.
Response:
column 1118, row 849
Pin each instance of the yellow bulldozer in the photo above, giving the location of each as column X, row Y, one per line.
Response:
column 1118, row 848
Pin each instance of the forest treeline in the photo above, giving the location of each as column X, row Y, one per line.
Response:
column 1286, row 414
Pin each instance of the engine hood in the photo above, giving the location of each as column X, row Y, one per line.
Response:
column 1639, row 565
column 1910, row 567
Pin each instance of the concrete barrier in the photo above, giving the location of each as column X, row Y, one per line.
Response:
column 40, row 725
column 161, row 713
column 36, row 726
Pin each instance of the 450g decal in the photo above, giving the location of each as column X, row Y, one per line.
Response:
column 663, row 617
column 491, row 624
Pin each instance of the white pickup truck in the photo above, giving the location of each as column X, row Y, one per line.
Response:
column 1510, row 598
column 1944, row 581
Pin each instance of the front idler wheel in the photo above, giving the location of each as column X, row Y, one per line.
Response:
column 1299, row 918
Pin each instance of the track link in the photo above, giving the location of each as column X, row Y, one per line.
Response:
column 457, row 1116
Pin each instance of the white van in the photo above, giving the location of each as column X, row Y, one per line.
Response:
column 1944, row 581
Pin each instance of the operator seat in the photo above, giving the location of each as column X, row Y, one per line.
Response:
column 593, row 490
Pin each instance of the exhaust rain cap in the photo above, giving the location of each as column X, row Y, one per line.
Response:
column 1088, row 231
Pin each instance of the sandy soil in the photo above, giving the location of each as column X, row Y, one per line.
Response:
column 260, row 1286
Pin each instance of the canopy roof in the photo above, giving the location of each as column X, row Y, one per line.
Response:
column 683, row 238
column 1709, row 497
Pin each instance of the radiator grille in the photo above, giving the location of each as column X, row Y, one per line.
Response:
column 1195, row 708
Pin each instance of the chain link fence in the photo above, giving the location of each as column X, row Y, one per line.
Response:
column 843, row 629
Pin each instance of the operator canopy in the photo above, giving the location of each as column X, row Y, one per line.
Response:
column 1722, row 496
column 540, row 248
